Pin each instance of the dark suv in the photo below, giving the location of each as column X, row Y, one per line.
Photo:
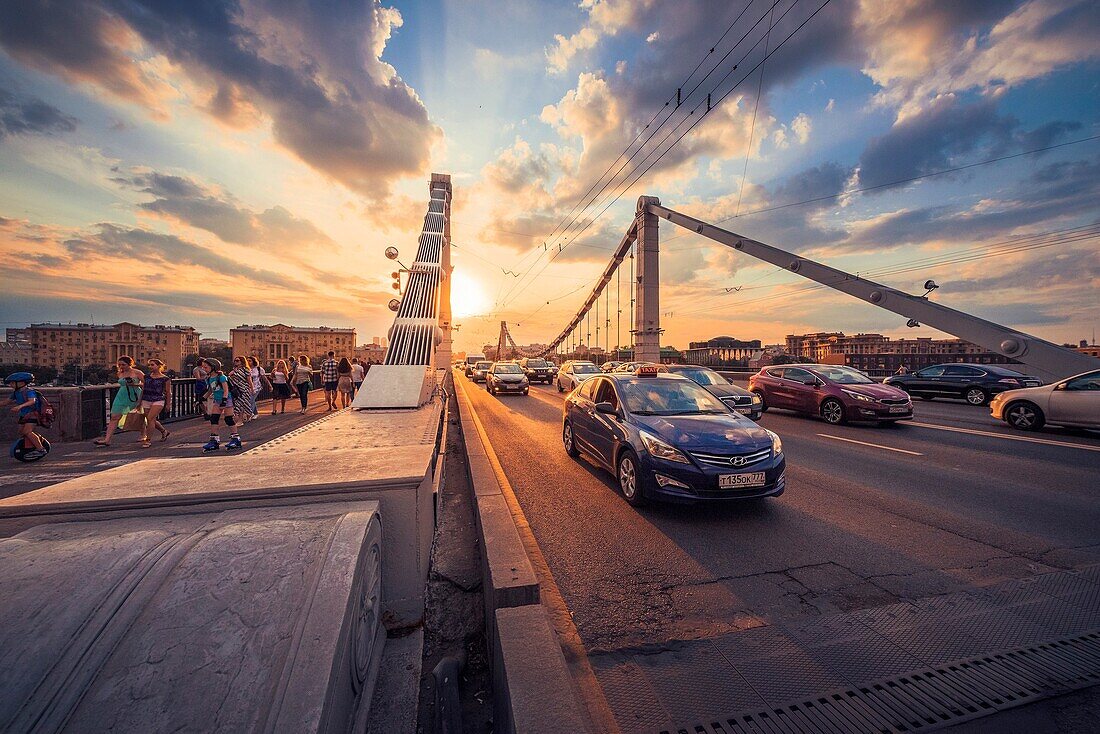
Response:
column 537, row 370
column 974, row 383
column 736, row 398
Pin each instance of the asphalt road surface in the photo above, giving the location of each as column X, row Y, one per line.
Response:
column 871, row 516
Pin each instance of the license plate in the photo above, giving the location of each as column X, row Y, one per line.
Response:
column 749, row 479
column 744, row 411
column 899, row 409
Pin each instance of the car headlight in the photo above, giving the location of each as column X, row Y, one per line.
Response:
column 523, row 381
column 859, row 396
column 756, row 399
column 661, row 450
column 777, row 442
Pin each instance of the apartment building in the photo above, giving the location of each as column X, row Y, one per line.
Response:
column 280, row 341
column 57, row 345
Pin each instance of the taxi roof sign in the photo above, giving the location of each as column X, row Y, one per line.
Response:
column 646, row 370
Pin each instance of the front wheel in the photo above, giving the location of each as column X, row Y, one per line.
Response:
column 977, row 396
column 29, row 454
column 763, row 403
column 832, row 412
column 1025, row 416
column 568, row 442
column 630, row 481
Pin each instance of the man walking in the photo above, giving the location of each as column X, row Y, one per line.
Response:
column 357, row 374
column 330, row 377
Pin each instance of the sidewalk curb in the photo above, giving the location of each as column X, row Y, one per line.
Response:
column 533, row 688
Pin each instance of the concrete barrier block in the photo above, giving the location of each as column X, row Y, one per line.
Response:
column 482, row 476
column 534, row 692
column 259, row 619
column 509, row 577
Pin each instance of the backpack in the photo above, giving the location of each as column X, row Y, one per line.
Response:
column 45, row 410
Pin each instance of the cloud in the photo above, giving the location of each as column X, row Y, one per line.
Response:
column 21, row 115
column 927, row 141
column 186, row 200
column 317, row 75
column 917, row 50
column 605, row 18
column 141, row 246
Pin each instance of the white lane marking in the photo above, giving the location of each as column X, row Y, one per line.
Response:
column 872, row 445
column 1026, row 439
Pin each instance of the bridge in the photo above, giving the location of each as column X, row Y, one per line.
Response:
column 909, row 578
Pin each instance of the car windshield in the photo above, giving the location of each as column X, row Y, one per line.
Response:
column 585, row 369
column 702, row 375
column 844, row 375
column 507, row 369
column 663, row 396
column 537, row 363
column 483, row 365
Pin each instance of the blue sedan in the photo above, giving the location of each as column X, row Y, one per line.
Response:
column 663, row 436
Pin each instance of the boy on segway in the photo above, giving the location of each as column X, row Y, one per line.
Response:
column 28, row 403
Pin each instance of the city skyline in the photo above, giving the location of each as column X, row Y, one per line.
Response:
column 249, row 164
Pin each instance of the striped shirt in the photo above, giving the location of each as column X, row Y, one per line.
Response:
column 328, row 371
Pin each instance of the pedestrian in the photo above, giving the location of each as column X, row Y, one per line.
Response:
column 26, row 401
column 156, row 392
column 330, row 376
column 221, row 404
column 902, row 370
column 200, row 374
column 344, row 383
column 303, row 380
column 240, row 387
column 357, row 375
column 127, row 399
column 280, row 387
column 259, row 382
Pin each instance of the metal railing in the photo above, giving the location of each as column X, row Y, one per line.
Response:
column 96, row 402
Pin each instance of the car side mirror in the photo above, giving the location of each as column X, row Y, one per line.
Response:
column 606, row 408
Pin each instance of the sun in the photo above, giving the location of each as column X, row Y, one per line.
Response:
column 468, row 297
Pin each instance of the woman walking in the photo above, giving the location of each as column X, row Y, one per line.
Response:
column 280, row 387
column 221, row 404
column 259, row 382
column 303, row 379
column 156, row 392
column 343, row 382
column 128, row 397
column 357, row 375
column 240, row 386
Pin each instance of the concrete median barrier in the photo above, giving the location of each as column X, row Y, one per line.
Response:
column 533, row 688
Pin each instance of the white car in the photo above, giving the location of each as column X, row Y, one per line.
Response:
column 1073, row 402
column 573, row 373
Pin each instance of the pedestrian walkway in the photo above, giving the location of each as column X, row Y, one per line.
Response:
column 75, row 459
column 923, row 664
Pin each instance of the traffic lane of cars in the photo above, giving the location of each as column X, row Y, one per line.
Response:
column 948, row 423
column 666, row 572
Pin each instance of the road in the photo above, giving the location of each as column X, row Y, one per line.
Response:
column 871, row 517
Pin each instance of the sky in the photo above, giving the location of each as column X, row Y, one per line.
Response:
column 220, row 163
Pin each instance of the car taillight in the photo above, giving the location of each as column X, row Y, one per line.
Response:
column 1009, row 380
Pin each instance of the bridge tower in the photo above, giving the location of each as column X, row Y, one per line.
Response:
column 647, row 314
column 443, row 351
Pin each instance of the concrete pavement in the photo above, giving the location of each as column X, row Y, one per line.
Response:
column 873, row 517
column 70, row 460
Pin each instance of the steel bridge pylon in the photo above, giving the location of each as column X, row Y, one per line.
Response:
column 647, row 313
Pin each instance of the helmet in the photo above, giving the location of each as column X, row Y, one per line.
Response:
column 19, row 377
column 213, row 362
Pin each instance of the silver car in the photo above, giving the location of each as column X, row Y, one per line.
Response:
column 573, row 373
column 1073, row 403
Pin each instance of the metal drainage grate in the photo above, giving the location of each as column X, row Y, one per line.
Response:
column 929, row 699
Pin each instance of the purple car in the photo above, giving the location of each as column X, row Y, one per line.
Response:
column 837, row 394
